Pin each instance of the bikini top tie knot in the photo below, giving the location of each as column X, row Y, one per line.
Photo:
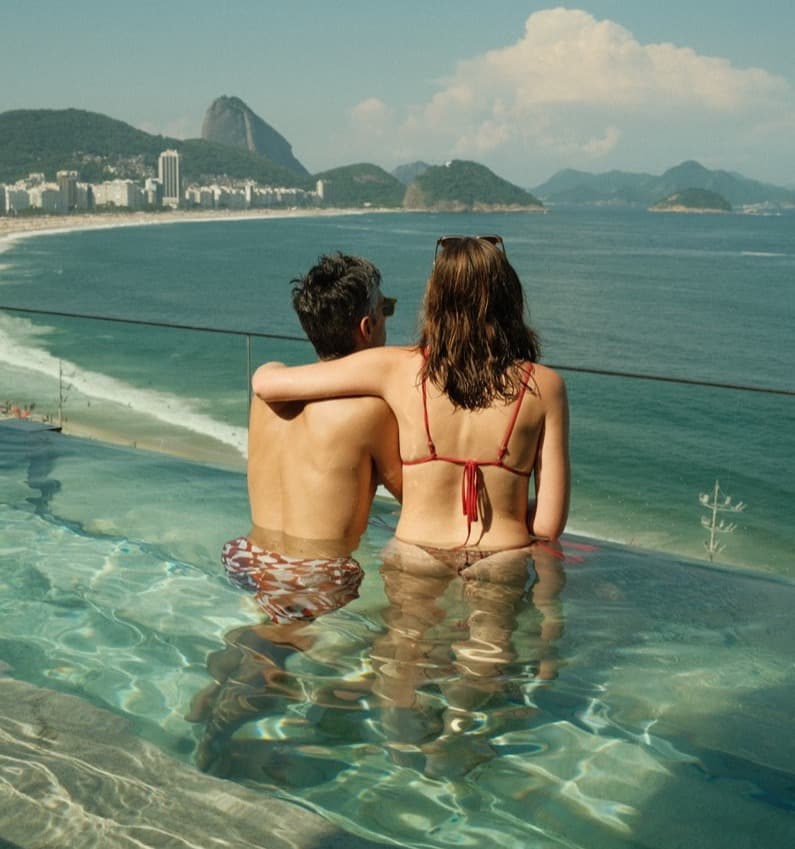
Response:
column 472, row 478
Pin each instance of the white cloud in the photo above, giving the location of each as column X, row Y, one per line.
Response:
column 603, row 145
column 581, row 90
column 372, row 115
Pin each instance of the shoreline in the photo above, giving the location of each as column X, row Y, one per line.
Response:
column 193, row 448
column 21, row 227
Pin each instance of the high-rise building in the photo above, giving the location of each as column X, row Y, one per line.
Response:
column 67, row 186
column 168, row 172
column 324, row 191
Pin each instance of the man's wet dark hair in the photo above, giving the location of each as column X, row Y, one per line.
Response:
column 331, row 300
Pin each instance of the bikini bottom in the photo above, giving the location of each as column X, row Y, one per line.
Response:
column 291, row 588
column 504, row 566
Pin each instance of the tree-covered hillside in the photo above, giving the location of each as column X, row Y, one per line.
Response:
column 465, row 185
column 362, row 185
column 99, row 148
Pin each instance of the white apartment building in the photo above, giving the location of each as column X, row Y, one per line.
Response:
column 153, row 192
column 47, row 197
column 17, row 199
column 200, row 196
column 227, row 198
column 84, row 197
column 122, row 193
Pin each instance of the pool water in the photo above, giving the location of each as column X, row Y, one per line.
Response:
column 619, row 698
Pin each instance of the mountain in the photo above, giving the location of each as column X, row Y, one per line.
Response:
column 230, row 122
column 693, row 200
column 735, row 188
column 362, row 185
column 571, row 186
column 461, row 185
column 409, row 172
column 99, row 148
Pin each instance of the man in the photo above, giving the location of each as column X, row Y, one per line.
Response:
column 313, row 468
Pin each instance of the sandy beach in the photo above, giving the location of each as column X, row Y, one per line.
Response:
column 139, row 431
column 15, row 227
column 154, row 435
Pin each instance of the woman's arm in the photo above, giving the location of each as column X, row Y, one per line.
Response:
column 362, row 373
column 552, row 472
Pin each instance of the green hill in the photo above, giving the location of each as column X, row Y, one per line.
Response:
column 99, row 147
column 362, row 185
column 697, row 200
column 461, row 185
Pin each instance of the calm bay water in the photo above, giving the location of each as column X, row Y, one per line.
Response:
column 697, row 297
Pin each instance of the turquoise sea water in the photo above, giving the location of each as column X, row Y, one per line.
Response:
column 693, row 296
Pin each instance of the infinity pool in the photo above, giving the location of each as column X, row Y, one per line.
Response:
column 619, row 699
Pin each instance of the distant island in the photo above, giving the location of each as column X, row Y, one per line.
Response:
column 459, row 185
column 692, row 200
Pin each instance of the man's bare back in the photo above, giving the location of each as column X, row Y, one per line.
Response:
column 313, row 470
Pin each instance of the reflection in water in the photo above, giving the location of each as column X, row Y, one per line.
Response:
column 250, row 675
column 448, row 652
column 444, row 670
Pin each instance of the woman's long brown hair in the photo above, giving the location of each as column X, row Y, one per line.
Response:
column 474, row 330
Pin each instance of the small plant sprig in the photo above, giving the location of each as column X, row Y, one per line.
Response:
column 717, row 502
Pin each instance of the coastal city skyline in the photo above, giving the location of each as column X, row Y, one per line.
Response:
column 526, row 88
column 167, row 189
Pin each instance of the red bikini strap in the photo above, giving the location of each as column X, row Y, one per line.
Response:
column 431, row 446
column 515, row 416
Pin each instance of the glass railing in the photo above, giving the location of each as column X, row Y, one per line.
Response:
column 645, row 448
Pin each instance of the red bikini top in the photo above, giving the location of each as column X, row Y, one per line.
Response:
column 471, row 480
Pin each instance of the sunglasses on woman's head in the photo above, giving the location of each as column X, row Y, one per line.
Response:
column 445, row 242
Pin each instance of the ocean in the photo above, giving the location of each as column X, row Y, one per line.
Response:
column 695, row 297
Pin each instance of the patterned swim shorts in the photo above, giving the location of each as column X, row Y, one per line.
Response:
column 289, row 589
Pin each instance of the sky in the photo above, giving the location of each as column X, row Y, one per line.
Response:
column 525, row 88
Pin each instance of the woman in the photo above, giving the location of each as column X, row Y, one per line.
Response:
column 477, row 415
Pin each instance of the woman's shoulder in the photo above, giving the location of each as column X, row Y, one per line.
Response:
column 539, row 369
column 547, row 380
